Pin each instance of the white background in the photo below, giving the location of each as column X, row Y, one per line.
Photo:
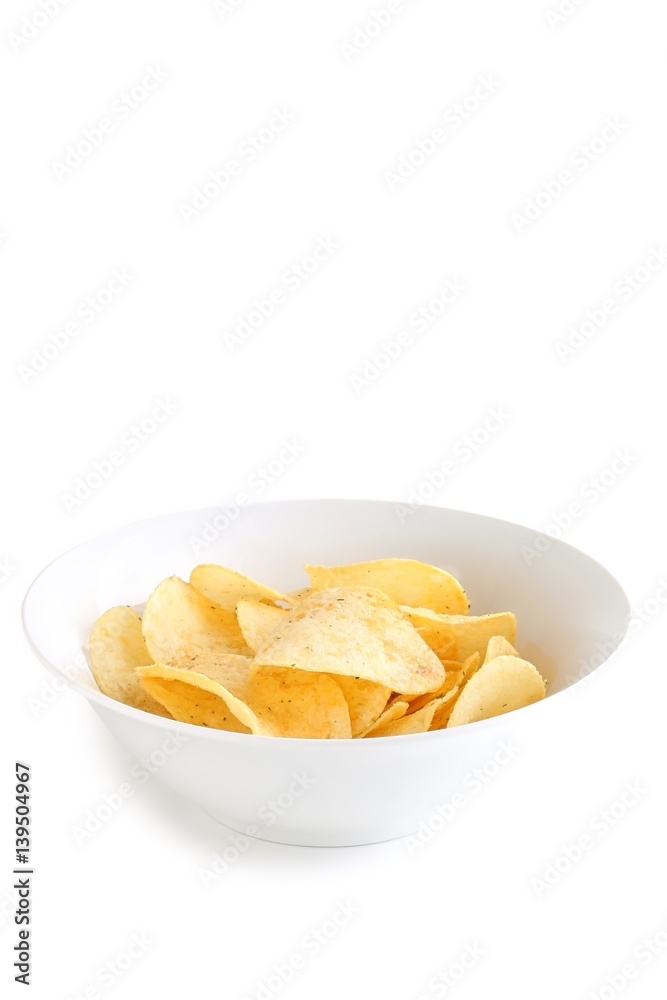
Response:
column 355, row 113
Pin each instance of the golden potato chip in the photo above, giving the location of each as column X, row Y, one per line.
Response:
column 187, row 701
column 357, row 632
column 453, row 679
column 298, row 703
column 258, row 621
column 499, row 686
column 470, row 666
column 469, row 633
column 226, row 677
column 116, row 648
column 405, row 581
column 444, row 709
column 227, row 587
column 417, row 722
column 279, row 702
column 499, row 646
column 445, row 648
column 395, row 710
column 366, row 700
column 180, row 625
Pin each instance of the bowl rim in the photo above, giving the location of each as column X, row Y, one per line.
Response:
column 105, row 701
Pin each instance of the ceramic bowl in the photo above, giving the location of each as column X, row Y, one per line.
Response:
column 572, row 614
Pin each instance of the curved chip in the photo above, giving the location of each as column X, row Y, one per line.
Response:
column 396, row 710
column 258, row 621
column 405, row 581
column 499, row 646
column 181, row 625
column 280, row 702
column 417, row 722
column 499, row 686
column 116, row 648
column 186, row 701
column 454, row 678
column 297, row 703
column 357, row 632
column 227, row 587
column 366, row 700
column 467, row 634
column 444, row 709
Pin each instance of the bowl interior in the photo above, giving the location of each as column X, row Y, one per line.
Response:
column 571, row 612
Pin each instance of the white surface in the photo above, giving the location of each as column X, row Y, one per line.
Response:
column 573, row 615
column 291, row 381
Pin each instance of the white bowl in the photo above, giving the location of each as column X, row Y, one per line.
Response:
column 572, row 614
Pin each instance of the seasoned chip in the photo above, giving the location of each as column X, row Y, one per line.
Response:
column 444, row 709
column 395, row 710
column 180, row 625
column 227, row 587
column 416, row 722
column 405, row 581
column 470, row 634
column 455, row 678
column 499, row 646
column 225, row 677
column 116, row 648
column 258, row 621
column 357, row 632
column 188, row 701
column 470, row 667
column 281, row 702
column 298, row 703
column 366, row 700
column 499, row 686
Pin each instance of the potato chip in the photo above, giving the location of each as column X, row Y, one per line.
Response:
column 186, row 700
column 227, row 587
column 116, row 648
column 470, row 666
column 499, row 646
column 470, row 634
column 453, row 679
column 501, row 685
column 223, row 677
column 366, row 700
column 444, row 709
column 258, row 621
column 405, row 581
column 180, row 625
column 298, row 703
column 417, row 722
column 395, row 710
column 281, row 702
column 357, row 632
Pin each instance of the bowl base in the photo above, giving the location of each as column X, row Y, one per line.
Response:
column 300, row 838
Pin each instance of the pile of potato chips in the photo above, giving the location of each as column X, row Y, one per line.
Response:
column 382, row 648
